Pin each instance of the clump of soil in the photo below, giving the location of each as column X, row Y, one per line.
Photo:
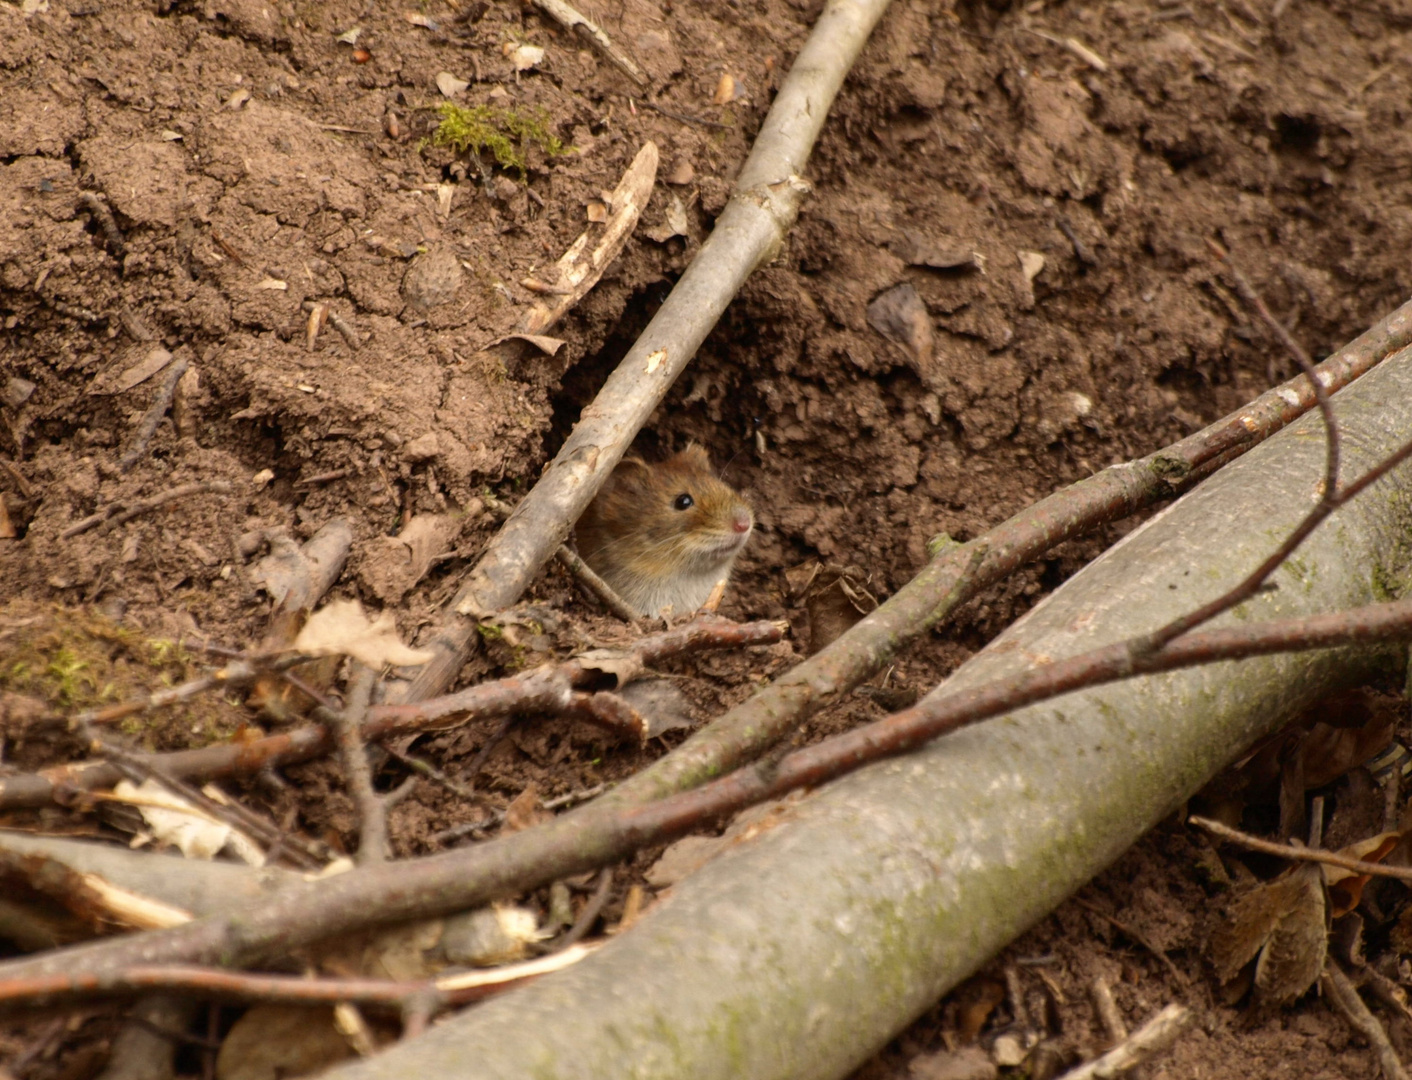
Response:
column 195, row 177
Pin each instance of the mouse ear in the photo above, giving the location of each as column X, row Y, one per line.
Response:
column 630, row 470
column 695, row 454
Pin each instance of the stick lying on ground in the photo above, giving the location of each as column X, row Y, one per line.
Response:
column 769, row 190
column 598, row 835
column 549, row 689
column 1143, row 1044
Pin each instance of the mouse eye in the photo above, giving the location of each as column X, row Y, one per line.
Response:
column 683, row 502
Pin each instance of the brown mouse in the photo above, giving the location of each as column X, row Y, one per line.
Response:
column 663, row 535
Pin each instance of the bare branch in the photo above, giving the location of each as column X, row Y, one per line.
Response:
column 599, row 835
column 1344, row 996
column 1143, row 1044
column 111, row 517
column 348, row 731
column 768, row 193
column 750, row 728
column 1301, row 854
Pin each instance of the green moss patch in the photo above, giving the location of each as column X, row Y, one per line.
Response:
column 504, row 132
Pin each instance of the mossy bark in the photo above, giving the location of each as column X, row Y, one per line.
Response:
column 800, row 952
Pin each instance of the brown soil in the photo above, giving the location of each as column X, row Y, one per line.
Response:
column 252, row 164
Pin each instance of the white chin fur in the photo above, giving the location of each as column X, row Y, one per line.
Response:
column 683, row 593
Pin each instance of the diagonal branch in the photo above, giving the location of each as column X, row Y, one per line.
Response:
column 749, row 231
column 599, row 835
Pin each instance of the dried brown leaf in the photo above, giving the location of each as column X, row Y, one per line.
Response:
column 624, row 665
column 342, row 628
column 1345, row 887
column 1282, row 926
column 674, row 224
column 662, row 705
column 525, row 810
column 900, row 316
column 149, row 360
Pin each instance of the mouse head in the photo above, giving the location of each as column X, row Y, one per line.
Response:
column 673, row 517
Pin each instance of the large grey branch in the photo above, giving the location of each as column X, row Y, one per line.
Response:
column 799, row 952
column 748, row 233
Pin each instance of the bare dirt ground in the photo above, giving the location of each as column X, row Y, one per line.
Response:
column 1051, row 207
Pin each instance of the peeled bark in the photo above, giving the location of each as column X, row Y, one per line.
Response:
column 800, row 952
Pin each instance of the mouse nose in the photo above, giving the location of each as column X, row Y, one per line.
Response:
column 741, row 521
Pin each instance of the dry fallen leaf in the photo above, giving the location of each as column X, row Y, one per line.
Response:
column 623, row 665
column 662, row 705
column 1346, row 886
column 837, row 600
column 525, row 810
column 674, row 224
column 341, row 628
column 915, row 249
column 191, row 831
column 524, row 57
column 900, row 316
column 1282, row 926
column 153, row 360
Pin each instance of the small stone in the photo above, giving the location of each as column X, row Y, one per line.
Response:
column 681, row 173
column 17, row 391
column 433, row 278
column 422, row 448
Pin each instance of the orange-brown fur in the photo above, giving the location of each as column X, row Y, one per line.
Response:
column 653, row 554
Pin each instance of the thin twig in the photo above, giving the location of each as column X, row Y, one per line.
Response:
column 1347, row 1001
column 595, row 584
column 221, row 984
column 238, row 674
column 1134, row 935
column 1107, row 1009
column 1146, row 1042
column 74, row 311
column 1331, row 497
column 430, row 771
column 161, row 402
column 545, row 690
column 589, row 915
column 146, row 766
column 338, row 322
column 117, row 246
column 684, row 118
column 609, row 711
column 456, row 832
column 1301, row 854
column 347, row 727
column 110, row 518
column 588, row 30
column 483, row 755
column 576, row 566
column 594, row 837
